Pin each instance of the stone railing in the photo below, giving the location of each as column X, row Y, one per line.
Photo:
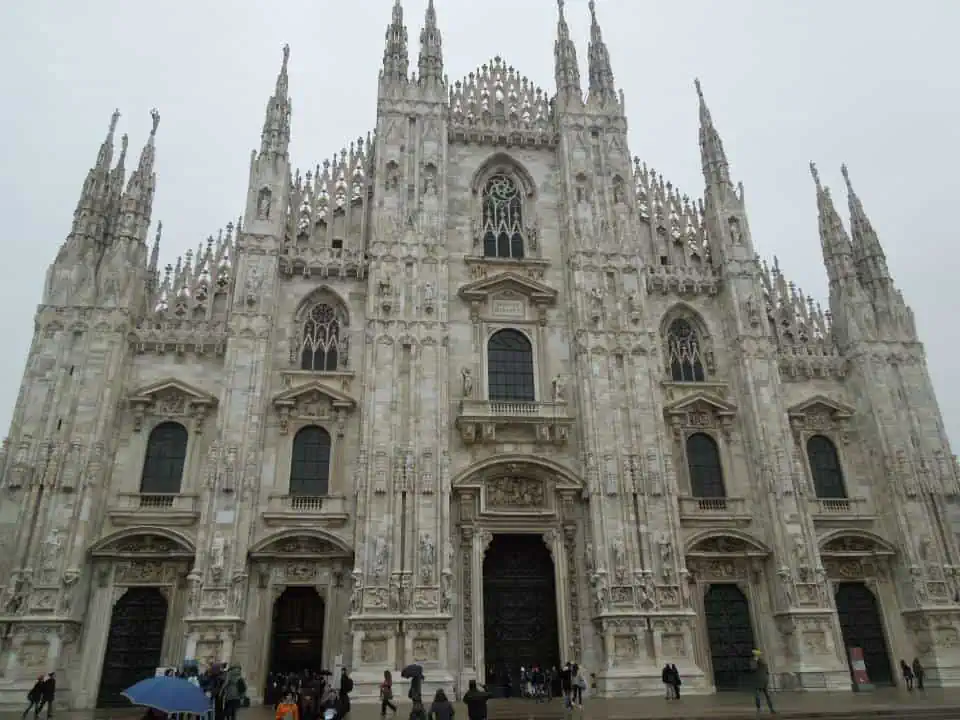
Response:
column 483, row 420
column 841, row 508
column 314, row 508
column 714, row 508
column 164, row 508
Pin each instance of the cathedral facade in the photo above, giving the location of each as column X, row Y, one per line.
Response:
column 479, row 391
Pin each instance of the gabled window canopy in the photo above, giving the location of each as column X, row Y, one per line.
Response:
column 171, row 398
column 480, row 290
column 821, row 404
column 313, row 401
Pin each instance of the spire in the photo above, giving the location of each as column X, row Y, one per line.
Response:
column 90, row 216
column 275, row 138
column 136, row 204
column 837, row 250
column 567, row 70
column 430, row 66
column 871, row 262
column 601, row 74
column 716, row 170
column 396, row 61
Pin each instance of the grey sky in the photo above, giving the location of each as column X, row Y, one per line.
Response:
column 859, row 81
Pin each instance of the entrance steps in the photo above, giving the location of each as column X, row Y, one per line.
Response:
column 809, row 706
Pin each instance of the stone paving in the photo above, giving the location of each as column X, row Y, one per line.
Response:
column 883, row 703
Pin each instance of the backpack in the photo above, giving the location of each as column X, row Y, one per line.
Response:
column 346, row 686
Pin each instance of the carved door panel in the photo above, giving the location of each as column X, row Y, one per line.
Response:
column 134, row 644
column 298, row 617
column 862, row 626
column 519, row 608
column 730, row 633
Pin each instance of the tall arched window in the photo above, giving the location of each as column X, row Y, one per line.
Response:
column 510, row 367
column 502, row 218
column 825, row 468
column 166, row 455
column 706, row 472
column 320, row 339
column 684, row 352
column 310, row 468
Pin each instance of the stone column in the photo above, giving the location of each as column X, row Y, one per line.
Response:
column 481, row 541
column 554, row 542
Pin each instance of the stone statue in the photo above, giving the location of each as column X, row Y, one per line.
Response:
column 356, row 595
column 589, row 557
column 446, row 596
column 428, row 293
column 735, row 234
column 633, row 301
column 427, row 557
column 52, row 549
column 263, row 204
column 596, row 295
column 666, row 551
column 559, row 386
column 217, row 552
column 619, row 559
column 600, row 594
column 448, row 552
column 379, row 557
column 466, row 377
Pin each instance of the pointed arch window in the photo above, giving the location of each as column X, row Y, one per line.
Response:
column 165, row 459
column 684, row 352
column 510, row 367
column 703, row 462
column 502, row 217
column 310, row 465
column 321, row 346
column 825, row 468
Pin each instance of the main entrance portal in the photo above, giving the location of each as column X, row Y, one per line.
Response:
column 297, row 641
column 862, row 626
column 731, row 635
column 519, row 610
column 134, row 644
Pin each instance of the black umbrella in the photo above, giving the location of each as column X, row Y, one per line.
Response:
column 412, row 671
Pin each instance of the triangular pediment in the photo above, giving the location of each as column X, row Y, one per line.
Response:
column 701, row 401
column 821, row 404
column 289, row 398
column 193, row 394
column 480, row 290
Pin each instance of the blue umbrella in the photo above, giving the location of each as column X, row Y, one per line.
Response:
column 169, row 695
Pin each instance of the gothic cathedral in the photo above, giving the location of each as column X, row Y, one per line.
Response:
column 478, row 392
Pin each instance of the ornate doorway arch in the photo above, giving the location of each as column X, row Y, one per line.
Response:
column 510, row 496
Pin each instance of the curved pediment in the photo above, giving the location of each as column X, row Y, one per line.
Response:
column 860, row 542
column 151, row 542
column 300, row 543
column 172, row 388
column 506, row 282
column 726, row 542
column 516, row 466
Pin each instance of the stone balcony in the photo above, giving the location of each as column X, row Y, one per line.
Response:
column 842, row 511
column 307, row 510
column 166, row 509
column 727, row 511
column 493, row 421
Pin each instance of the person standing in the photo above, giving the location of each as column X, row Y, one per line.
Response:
column 675, row 681
column 918, row 673
column 476, row 701
column 761, row 680
column 441, row 708
column 666, row 677
column 346, row 687
column 907, row 673
column 48, row 694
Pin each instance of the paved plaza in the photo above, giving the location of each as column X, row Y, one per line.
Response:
column 885, row 703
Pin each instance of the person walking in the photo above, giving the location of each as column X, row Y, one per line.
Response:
column 346, row 687
column 234, row 690
column 476, row 701
column 761, row 680
column 666, row 676
column 386, row 694
column 48, row 694
column 675, row 681
column 34, row 698
column 918, row 673
column 907, row 673
column 441, row 708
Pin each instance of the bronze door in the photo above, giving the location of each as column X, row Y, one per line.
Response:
column 134, row 644
column 298, row 617
column 519, row 610
column 862, row 626
column 730, row 632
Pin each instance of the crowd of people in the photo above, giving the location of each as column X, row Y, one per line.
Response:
column 308, row 695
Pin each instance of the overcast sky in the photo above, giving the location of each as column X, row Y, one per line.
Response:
column 866, row 82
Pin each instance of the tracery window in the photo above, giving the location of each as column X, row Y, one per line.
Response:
column 310, row 465
column 502, row 218
column 510, row 367
column 684, row 352
column 164, row 461
column 321, row 345
column 703, row 463
column 825, row 468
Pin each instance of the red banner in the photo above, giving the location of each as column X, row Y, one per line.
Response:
column 861, row 681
